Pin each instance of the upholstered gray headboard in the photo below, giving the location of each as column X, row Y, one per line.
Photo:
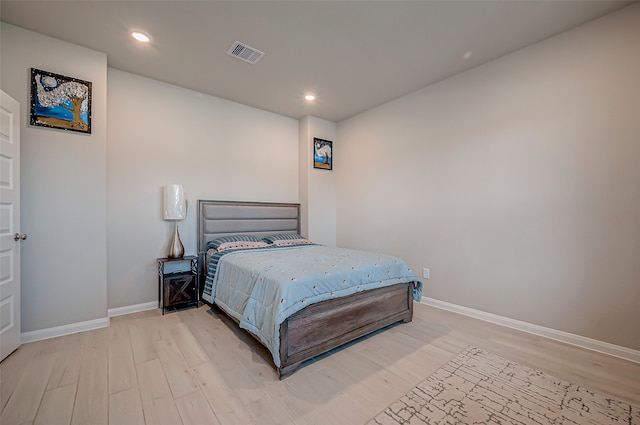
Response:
column 223, row 218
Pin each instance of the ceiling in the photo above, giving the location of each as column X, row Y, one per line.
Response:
column 353, row 55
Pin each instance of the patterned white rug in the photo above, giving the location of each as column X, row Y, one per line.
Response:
column 478, row 387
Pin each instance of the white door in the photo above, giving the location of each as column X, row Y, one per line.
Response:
column 10, row 235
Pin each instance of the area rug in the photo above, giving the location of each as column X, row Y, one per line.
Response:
column 478, row 387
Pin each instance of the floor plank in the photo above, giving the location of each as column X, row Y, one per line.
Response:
column 25, row 400
column 157, row 402
column 122, row 371
column 143, row 337
column 12, row 368
column 92, row 397
column 191, row 349
column 195, row 410
column 66, row 370
column 180, row 377
column 220, row 395
column 125, row 408
column 57, row 406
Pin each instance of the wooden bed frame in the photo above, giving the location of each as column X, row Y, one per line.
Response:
column 319, row 327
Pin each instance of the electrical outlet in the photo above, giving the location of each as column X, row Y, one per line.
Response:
column 426, row 273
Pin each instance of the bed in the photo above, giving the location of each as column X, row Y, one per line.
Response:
column 316, row 317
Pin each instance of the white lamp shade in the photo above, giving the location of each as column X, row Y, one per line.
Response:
column 174, row 205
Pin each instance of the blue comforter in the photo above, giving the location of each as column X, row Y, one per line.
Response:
column 262, row 287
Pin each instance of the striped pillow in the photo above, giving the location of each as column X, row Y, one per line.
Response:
column 282, row 237
column 215, row 243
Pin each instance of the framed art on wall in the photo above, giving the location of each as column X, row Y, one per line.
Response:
column 60, row 102
column 322, row 154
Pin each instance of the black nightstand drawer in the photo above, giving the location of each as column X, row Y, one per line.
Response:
column 178, row 282
column 180, row 288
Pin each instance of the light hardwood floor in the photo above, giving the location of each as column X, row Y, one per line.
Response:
column 194, row 368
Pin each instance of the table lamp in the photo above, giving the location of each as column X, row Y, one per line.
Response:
column 174, row 208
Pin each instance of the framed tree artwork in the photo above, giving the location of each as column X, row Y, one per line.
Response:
column 60, row 102
column 322, row 154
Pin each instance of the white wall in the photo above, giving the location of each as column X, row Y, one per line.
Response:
column 158, row 134
column 63, row 194
column 317, row 186
column 217, row 149
column 517, row 183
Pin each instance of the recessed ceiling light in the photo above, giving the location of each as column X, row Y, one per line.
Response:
column 310, row 97
column 141, row 37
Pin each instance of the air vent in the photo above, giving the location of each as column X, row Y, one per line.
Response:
column 245, row 53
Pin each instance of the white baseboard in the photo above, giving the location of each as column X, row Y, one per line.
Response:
column 119, row 311
column 84, row 326
column 64, row 330
column 568, row 338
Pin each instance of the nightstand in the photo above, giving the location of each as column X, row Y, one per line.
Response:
column 178, row 282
